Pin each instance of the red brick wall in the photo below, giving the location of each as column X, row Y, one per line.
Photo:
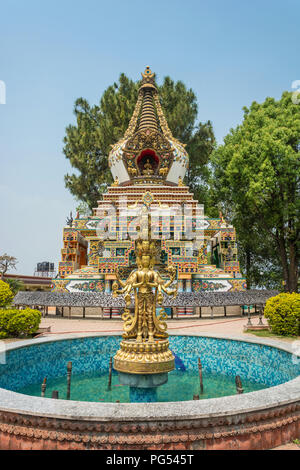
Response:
column 255, row 431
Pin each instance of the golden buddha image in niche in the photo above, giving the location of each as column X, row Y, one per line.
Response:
column 148, row 287
column 148, row 170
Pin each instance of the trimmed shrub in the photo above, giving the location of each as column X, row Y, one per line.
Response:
column 283, row 314
column 19, row 323
column 5, row 316
column 6, row 295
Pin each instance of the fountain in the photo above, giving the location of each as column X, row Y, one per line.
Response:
column 264, row 416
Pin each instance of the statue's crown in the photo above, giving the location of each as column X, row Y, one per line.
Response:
column 145, row 248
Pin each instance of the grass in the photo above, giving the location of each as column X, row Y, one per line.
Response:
column 269, row 334
column 14, row 338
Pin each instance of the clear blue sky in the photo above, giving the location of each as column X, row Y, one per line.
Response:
column 230, row 52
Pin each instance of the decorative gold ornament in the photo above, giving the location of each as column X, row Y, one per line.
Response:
column 148, row 169
column 148, row 73
column 144, row 358
column 145, row 347
column 147, row 198
column 148, row 130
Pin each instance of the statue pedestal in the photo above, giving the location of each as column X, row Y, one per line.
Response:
column 143, row 387
column 143, row 380
column 144, row 358
column 144, row 366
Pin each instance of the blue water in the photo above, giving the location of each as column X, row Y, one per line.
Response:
column 258, row 366
column 181, row 386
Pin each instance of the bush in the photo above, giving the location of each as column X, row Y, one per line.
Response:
column 19, row 323
column 15, row 285
column 5, row 317
column 283, row 314
column 6, row 295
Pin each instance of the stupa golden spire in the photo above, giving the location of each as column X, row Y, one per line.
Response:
column 148, row 141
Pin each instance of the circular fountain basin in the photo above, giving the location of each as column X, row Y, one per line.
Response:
column 266, row 415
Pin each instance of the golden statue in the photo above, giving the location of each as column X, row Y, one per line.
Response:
column 148, row 170
column 145, row 347
column 163, row 171
column 131, row 170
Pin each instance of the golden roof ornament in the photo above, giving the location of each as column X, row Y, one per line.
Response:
column 148, row 150
column 148, row 73
column 148, row 78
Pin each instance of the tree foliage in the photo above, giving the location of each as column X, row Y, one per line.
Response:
column 15, row 285
column 256, row 179
column 88, row 142
column 6, row 263
column 6, row 295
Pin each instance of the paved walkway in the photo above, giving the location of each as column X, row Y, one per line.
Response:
column 290, row 446
column 221, row 326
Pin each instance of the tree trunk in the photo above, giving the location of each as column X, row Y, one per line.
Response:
column 289, row 265
column 293, row 268
column 284, row 261
column 248, row 268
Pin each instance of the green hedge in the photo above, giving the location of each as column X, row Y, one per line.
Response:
column 6, row 295
column 19, row 323
column 283, row 314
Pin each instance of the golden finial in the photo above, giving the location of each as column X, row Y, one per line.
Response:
column 148, row 73
column 148, row 79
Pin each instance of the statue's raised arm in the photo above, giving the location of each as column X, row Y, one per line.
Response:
column 127, row 286
column 163, row 286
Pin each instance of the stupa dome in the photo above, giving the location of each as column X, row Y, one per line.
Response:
column 148, row 152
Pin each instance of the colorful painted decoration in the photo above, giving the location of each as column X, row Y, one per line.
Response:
column 148, row 166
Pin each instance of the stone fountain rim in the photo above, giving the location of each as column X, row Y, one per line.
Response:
column 280, row 395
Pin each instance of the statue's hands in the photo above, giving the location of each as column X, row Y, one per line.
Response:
column 172, row 292
column 126, row 289
column 160, row 298
column 172, row 272
column 127, row 299
column 123, row 284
